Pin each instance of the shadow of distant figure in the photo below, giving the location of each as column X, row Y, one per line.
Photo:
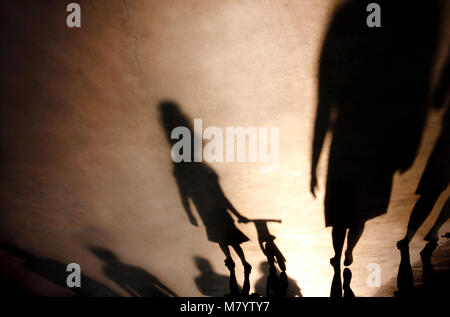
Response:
column 276, row 285
column 373, row 89
column 9, row 289
column 348, row 292
column 436, row 176
column 199, row 183
column 209, row 282
column 136, row 281
column 56, row 273
column 270, row 288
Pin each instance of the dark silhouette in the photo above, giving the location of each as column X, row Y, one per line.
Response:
column 436, row 176
column 337, row 286
column 373, row 88
column 9, row 288
column 434, row 282
column 209, row 282
column 136, row 281
column 411, row 281
column 199, row 183
column 405, row 276
column 56, row 273
column 269, row 284
column 428, row 274
column 434, row 181
column 336, row 283
column 348, row 293
column 276, row 285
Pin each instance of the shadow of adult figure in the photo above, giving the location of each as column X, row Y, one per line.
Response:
column 435, row 178
column 269, row 286
column 133, row 279
column 373, row 88
column 56, row 273
column 275, row 284
column 209, row 282
column 199, row 183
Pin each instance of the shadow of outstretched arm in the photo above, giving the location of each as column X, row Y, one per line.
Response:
column 322, row 121
column 233, row 210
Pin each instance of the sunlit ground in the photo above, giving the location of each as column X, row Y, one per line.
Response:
column 98, row 170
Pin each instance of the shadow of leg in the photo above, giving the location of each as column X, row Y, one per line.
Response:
column 234, row 289
column 429, row 275
column 246, row 287
column 283, row 283
column 405, row 277
column 336, row 284
column 272, row 282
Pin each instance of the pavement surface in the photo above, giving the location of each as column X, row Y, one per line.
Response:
column 86, row 168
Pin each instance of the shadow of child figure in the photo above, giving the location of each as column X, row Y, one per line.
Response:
column 197, row 182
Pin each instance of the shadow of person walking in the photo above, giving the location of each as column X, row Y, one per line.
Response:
column 275, row 284
column 373, row 88
column 269, row 283
column 133, row 279
column 199, row 183
column 56, row 273
column 348, row 292
column 435, row 178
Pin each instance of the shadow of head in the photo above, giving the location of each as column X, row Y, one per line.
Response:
column 172, row 117
column 104, row 254
column 203, row 264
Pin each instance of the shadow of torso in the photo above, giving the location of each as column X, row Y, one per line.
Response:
column 200, row 183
